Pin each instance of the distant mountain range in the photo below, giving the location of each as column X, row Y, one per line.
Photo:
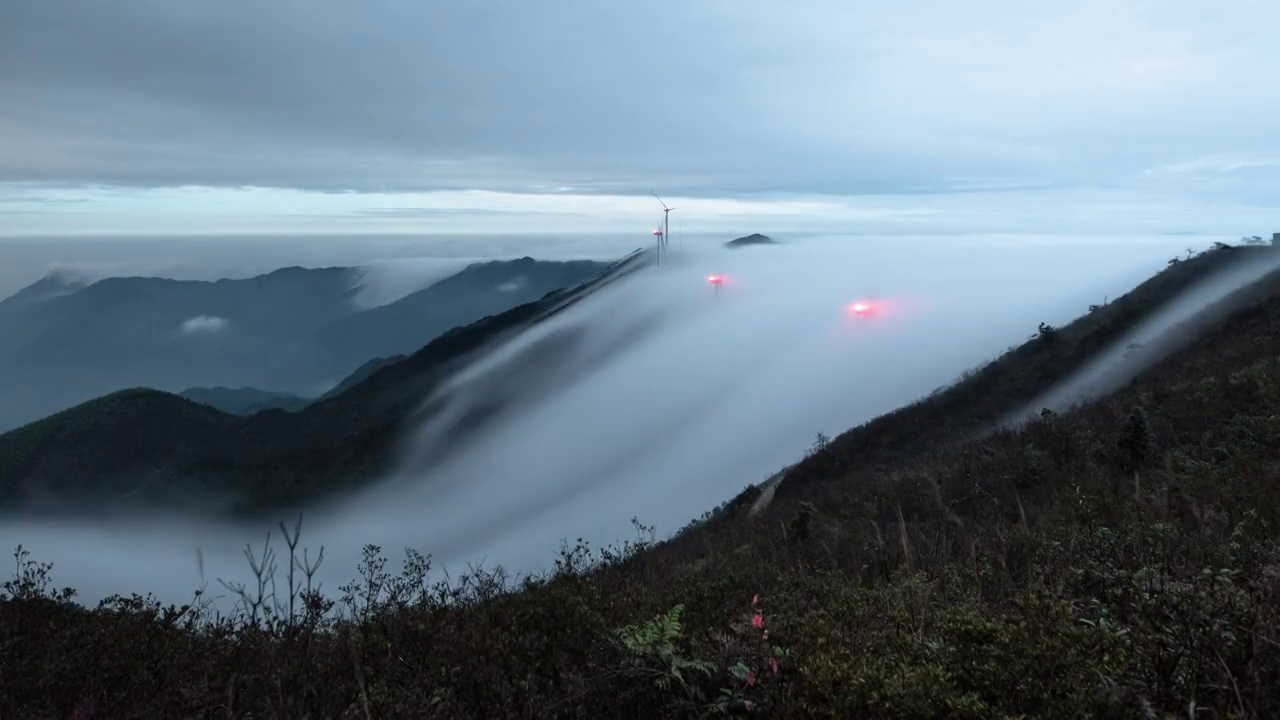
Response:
column 244, row 400
column 204, row 451
column 293, row 332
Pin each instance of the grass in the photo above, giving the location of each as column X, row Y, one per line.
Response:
column 1119, row 560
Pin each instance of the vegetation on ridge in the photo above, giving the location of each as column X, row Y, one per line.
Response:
column 1119, row 560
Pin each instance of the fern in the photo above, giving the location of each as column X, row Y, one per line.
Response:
column 656, row 640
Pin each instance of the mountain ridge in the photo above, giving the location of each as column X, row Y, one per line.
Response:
column 243, row 400
column 295, row 330
column 752, row 239
column 263, row 460
column 52, row 284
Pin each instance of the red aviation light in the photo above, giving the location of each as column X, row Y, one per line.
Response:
column 865, row 308
column 715, row 279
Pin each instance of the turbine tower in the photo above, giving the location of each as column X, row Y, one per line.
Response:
column 666, row 226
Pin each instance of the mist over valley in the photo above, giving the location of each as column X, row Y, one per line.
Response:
column 647, row 394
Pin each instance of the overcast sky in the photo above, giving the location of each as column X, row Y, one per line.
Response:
column 136, row 116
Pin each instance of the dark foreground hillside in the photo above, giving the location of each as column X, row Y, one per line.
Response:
column 1119, row 560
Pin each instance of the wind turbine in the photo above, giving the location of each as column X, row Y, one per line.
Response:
column 666, row 226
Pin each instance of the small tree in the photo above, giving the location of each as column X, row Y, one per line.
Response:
column 820, row 442
column 1136, row 444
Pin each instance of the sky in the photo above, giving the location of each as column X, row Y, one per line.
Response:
column 282, row 116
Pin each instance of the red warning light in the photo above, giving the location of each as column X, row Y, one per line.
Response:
column 866, row 308
column 715, row 279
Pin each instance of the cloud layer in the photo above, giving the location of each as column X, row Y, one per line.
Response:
column 715, row 98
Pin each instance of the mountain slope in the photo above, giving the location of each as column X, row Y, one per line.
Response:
column 51, row 464
column 256, row 463
column 342, row 345
column 55, row 284
column 243, row 400
column 971, row 408
column 1116, row 560
column 294, row 330
column 156, row 332
column 359, row 374
column 107, row 317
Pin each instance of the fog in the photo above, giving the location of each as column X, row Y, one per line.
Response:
column 1149, row 341
column 655, row 397
column 391, row 266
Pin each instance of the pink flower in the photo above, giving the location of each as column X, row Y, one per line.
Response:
column 773, row 663
column 755, row 599
column 757, row 621
column 751, row 677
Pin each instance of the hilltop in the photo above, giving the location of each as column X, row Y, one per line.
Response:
column 752, row 239
column 1115, row 559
